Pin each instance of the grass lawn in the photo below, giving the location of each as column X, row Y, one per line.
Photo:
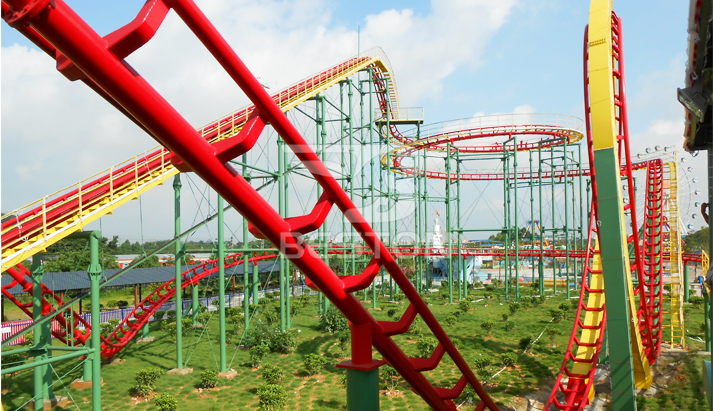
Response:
column 324, row 391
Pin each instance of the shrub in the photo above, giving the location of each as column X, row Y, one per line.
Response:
column 333, row 321
column 513, row 308
column 469, row 395
column 272, row 374
column 257, row 353
column 283, row 342
column 272, row 397
column 451, row 319
column 487, row 326
column 171, row 315
column 489, row 288
column 122, row 304
column 558, row 315
column 158, row 315
column 477, row 284
column 146, row 380
column 482, row 362
column 166, row 402
column 344, row 339
column 543, row 299
column 488, row 296
column 314, row 363
column 112, row 303
column 484, row 374
column 390, row 377
column 416, row 331
column 696, row 301
column 565, row 306
column 203, row 318
column 505, row 317
column 113, row 322
column 209, row 379
column 343, row 380
column 391, row 313
column 507, row 359
column 426, row 346
column 526, row 343
column 464, row 306
column 509, row 326
column 552, row 332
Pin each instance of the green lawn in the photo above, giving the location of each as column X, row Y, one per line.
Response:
column 324, row 392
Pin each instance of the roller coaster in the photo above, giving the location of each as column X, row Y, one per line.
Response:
column 617, row 244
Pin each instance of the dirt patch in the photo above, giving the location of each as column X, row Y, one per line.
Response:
column 202, row 390
column 139, row 399
column 318, row 377
column 392, row 393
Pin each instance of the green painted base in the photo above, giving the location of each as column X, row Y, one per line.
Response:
column 363, row 390
column 707, row 380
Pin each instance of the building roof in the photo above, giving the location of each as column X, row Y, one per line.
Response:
column 78, row 280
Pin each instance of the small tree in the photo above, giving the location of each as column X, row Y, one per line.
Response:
column 509, row 326
column 482, row 362
column 146, row 380
column 391, row 313
column 505, row 317
column 314, row 363
column 344, row 339
column 557, row 315
column 451, row 319
column 333, row 321
column 508, row 359
column 390, row 377
column 487, row 326
column 552, row 332
column 464, row 306
column 526, row 343
column 514, row 307
column 166, row 402
column 257, row 352
column 426, row 346
column 272, row 397
column 272, row 374
column 209, row 379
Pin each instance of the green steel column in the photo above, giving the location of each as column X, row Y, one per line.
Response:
column 221, row 286
column 41, row 335
column 362, row 372
column 256, row 282
column 449, row 261
column 566, row 216
column 553, row 169
column 517, row 227
column 194, row 303
column 614, row 254
column 288, row 281
column 541, row 263
column 95, row 272
column 350, row 176
column 581, row 210
column 506, row 218
column 532, row 220
column 177, row 266
column 246, row 278
column 706, row 319
column 372, row 185
column 344, row 178
column 281, row 210
column 462, row 275
column 686, row 286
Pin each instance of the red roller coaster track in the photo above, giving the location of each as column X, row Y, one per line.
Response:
column 92, row 54
column 576, row 394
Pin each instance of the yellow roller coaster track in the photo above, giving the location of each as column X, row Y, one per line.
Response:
column 32, row 228
column 673, row 244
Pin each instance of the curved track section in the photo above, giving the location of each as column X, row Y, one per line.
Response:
column 34, row 227
column 587, row 335
column 99, row 62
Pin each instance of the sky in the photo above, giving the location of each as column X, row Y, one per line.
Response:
column 455, row 58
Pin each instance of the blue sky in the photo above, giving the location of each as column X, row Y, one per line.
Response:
column 453, row 58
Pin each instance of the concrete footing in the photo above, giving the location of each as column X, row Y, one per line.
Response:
column 51, row 403
column 145, row 340
column 81, row 384
column 228, row 375
column 179, row 371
